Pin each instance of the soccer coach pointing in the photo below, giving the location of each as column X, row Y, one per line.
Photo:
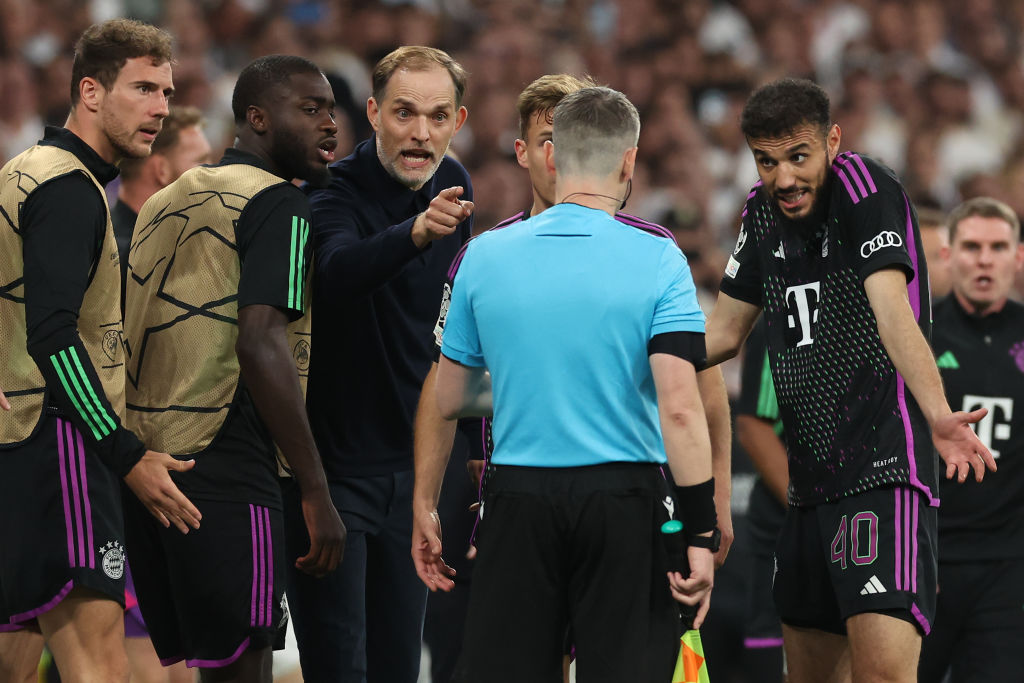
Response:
column 590, row 330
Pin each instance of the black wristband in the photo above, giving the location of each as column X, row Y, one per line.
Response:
column 697, row 507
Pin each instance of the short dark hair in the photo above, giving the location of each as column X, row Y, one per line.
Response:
column 103, row 49
column 777, row 109
column 984, row 207
column 179, row 118
column 417, row 58
column 261, row 76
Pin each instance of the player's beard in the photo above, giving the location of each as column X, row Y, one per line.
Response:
column 818, row 214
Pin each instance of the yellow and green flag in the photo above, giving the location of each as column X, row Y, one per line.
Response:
column 691, row 667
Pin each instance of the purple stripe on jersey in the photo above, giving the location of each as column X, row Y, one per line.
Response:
column 853, row 173
column 263, row 567
column 76, row 495
column 646, row 226
column 846, row 183
column 89, row 544
column 760, row 643
column 899, row 540
column 864, row 169
column 217, row 663
column 68, row 524
column 925, row 626
column 50, row 604
column 914, row 296
column 270, row 568
column 915, row 503
column 255, row 566
column 457, row 261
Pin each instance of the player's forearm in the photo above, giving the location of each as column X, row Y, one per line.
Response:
column 268, row 370
column 433, row 437
column 767, row 452
column 727, row 327
column 715, row 400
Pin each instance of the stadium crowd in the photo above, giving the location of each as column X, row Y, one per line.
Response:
column 934, row 89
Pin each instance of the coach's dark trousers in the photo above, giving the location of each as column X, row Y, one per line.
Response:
column 362, row 623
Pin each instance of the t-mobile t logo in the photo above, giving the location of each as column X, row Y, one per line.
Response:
column 995, row 425
column 803, row 301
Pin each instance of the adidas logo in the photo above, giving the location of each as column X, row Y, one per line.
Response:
column 947, row 361
column 872, row 586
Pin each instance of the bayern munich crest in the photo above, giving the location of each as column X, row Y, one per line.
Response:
column 112, row 555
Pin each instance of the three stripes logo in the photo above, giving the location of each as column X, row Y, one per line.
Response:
column 872, row 586
column 297, row 263
column 947, row 361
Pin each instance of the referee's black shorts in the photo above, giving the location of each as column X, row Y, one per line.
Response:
column 571, row 546
column 61, row 525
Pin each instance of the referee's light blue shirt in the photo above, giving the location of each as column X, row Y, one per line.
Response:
column 560, row 309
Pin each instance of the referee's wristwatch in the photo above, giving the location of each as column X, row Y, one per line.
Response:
column 712, row 542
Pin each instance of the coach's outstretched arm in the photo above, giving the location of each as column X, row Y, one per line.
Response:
column 956, row 442
column 684, row 430
column 269, row 372
column 728, row 326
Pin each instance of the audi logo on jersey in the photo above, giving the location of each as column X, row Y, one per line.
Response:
column 886, row 238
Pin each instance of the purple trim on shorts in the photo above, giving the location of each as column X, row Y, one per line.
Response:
column 270, row 568
column 90, row 544
column 49, row 605
column 913, row 566
column 255, row 566
column 68, row 524
column 9, row 628
column 168, row 661
column 216, row 663
column 921, row 619
column 76, row 494
column 760, row 643
column 899, row 539
column 263, row 567
column 846, row 183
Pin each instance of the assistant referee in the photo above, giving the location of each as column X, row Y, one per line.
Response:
column 591, row 332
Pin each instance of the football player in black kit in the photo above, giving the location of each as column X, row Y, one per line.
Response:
column 978, row 342
column 829, row 248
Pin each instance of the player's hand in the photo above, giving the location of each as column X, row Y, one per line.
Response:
column 426, row 551
column 695, row 589
column 4, row 402
column 441, row 218
column 475, row 470
column 959, row 447
column 728, row 535
column 326, row 535
column 151, row 483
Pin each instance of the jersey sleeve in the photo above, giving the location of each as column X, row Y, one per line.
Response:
column 742, row 279
column 880, row 218
column 461, row 341
column 69, row 211
column 757, row 389
column 275, row 250
column 446, row 299
column 676, row 309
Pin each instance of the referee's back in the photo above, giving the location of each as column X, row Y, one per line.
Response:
column 561, row 308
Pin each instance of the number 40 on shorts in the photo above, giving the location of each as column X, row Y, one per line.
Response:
column 860, row 535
